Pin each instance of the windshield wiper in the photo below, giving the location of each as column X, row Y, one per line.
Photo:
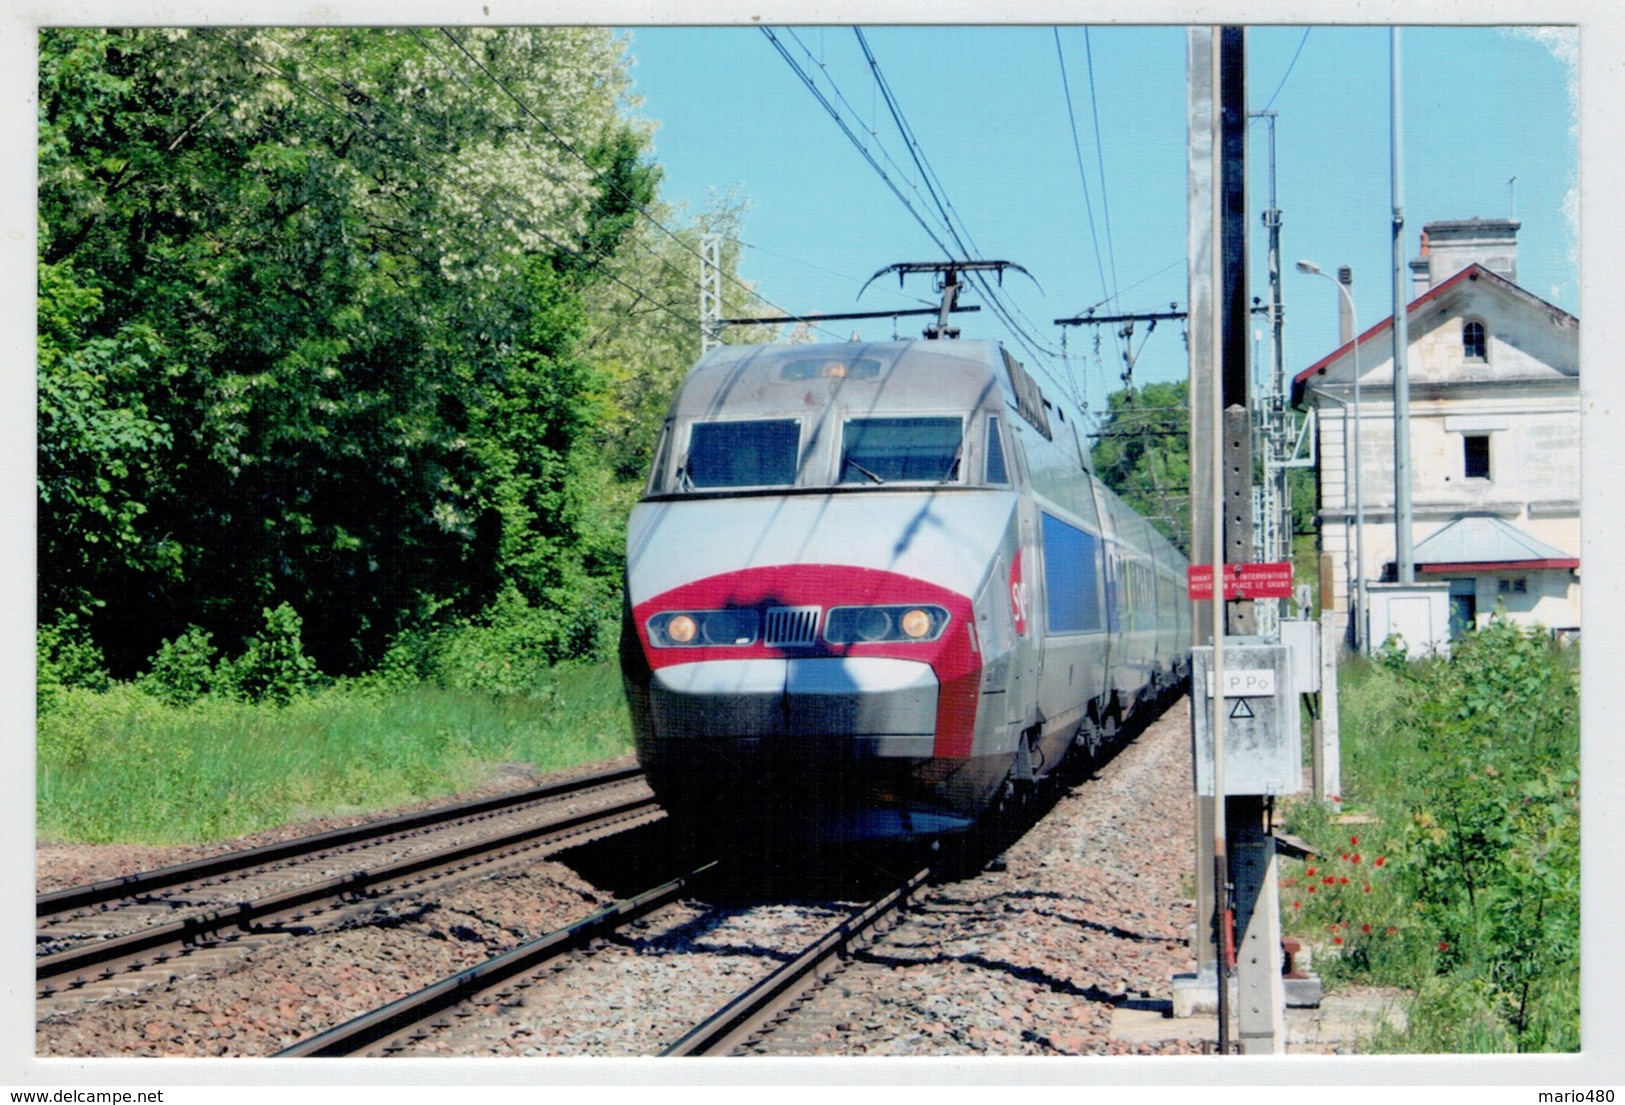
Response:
column 854, row 464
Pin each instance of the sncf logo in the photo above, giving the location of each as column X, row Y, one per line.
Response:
column 1019, row 599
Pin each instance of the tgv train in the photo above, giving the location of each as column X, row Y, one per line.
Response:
column 874, row 587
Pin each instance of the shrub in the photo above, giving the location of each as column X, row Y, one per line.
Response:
column 182, row 671
column 512, row 648
column 66, row 657
column 274, row 667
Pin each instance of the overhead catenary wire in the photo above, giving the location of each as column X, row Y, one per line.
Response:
column 569, row 148
column 896, row 190
column 1290, row 65
column 1108, row 287
column 948, row 215
column 1100, row 162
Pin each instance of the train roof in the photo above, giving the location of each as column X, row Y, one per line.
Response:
column 940, row 374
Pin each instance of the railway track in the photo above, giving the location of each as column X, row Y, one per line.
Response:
column 556, row 954
column 103, row 935
column 482, row 1000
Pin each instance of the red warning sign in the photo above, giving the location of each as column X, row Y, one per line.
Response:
column 1241, row 581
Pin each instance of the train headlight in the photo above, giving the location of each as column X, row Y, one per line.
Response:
column 873, row 624
column 701, row 628
column 682, row 629
column 916, row 624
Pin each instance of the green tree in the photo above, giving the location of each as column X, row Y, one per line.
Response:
column 299, row 289
column 1143, row 453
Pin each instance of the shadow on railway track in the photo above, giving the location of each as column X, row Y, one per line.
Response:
column 752, row 869
column 760, row 865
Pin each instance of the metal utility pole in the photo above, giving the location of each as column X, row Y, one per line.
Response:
column 1234, row 826
column 1276, row 429
column 1203, row 340
column 710, row 292
column 1351, row 449
column 1404, row 560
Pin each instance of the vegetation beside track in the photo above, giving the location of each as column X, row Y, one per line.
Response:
column 1452, row 869
column 122, row 764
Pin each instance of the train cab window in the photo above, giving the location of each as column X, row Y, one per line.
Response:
column 996, row 471
column 887, row 450
column 758, row 453
column 658, row 474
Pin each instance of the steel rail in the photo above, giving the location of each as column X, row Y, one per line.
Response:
column 125, row 886
column 189, row 930
column 745, row 1014
column 402, row 1014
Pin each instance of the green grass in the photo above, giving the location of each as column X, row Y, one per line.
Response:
column 1452, row 868
column 120, row 766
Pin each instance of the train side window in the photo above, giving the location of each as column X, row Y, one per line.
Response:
column 996, row 470
column 1071, row 573
column 884, row 450
column 758, row 453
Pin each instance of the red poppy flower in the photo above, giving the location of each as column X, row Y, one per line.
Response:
column 1381, row 860
column 1444, row 946
column 1337, row 939
column 1391, row 930
column 1366, row 927
column 1355, row 858
column 1310, row 871
column 1354, row 840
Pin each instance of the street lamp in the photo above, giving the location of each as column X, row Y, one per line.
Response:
column 1359, row 502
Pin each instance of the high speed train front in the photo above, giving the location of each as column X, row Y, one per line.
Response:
column 820, row 633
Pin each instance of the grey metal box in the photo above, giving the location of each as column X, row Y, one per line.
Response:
column 1303, row 639
column 1263, row 736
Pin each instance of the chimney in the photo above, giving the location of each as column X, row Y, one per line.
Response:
column 1345, row 314
column 1451, row 245
column 1421, row 269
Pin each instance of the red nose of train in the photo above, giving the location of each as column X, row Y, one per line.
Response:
column 884, row 661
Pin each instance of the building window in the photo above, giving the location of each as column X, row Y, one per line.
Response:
column 1472, row 341
column 1476, row 456
column 1518, row 586
column 1463, row 607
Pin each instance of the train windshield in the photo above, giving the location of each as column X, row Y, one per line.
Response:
column 758, row 453
column 886, row 450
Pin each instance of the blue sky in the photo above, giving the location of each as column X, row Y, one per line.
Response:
column 988, row 110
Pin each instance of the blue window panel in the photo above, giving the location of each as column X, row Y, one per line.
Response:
column 758, row 453
column 996, row 472
column 1071, row 577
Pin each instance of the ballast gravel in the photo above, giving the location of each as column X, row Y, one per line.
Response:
column 1089, row 913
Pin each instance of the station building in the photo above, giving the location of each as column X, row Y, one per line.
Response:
column 1495, row 437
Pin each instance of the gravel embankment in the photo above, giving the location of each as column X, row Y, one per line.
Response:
column 1089, row 914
